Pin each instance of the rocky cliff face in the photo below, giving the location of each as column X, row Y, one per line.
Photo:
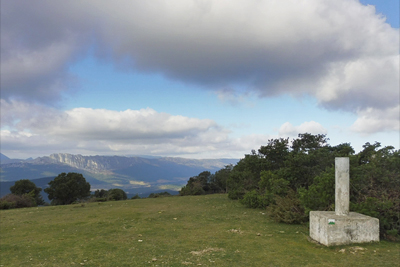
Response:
column 120, row 164
column 95, row 164
column 100, row 164
column 124, row 172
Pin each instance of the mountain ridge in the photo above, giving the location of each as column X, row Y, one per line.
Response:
column 132, row 174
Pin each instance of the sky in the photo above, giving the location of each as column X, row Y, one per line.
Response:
column 196, row 78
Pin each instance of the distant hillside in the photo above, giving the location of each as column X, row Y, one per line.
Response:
column 132, row 174
column 6, row 160
column 3, row 157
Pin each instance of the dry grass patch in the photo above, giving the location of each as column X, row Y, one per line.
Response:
column 205, row 251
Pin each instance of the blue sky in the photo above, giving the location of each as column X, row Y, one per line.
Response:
column 196, row 79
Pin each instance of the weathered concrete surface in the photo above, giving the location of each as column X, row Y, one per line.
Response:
column 331, row 229
column 341, row 226
column 342, row 186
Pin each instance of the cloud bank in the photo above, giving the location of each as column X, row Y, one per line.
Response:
column 340, row 52
column 98, row 130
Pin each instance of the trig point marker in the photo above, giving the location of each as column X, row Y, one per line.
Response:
column 341, row 227
column 342, row 186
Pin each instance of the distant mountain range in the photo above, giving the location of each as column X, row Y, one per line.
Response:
column 132, row 174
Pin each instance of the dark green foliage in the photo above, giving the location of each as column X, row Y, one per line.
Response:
column 375, row 188
column 117, row 194
column 218, row 181
column 287, row 209
column 236, row 193
column 135, row 197
column 207, row 183
column 236, row 184
column 101, row 193
column 321, row 194
column 275, row 153
column 245, row 175
column 26, row 186
column 273, row 183
column 12, row 201
column 68, row 188
column 5, row 205
column 308, row 142
column 255, row 200
column 162, row 194
column 292, row 181
column 193, row 187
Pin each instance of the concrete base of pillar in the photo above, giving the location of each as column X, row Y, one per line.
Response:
column 330, row 229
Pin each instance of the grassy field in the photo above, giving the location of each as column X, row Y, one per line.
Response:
column 175, row 231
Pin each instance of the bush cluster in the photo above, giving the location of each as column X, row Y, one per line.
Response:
column 207, row 183
column 109, row 195
column 12, row 201
column 289, row 179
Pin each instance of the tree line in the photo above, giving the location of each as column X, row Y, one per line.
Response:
column 66, row 188
column 289, row 179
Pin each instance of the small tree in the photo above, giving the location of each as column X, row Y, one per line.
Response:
column 68, row 188
column 117, row 194
column 101, row 193
column 24, row 187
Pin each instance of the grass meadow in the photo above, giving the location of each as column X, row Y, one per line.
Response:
column 206, row 230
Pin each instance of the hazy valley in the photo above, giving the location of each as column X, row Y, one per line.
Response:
column 134, row 174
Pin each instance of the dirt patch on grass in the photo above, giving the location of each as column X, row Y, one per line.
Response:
column 235, row 231
column 205, row 251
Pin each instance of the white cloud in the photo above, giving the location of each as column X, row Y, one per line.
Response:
column 139, row 183
column 39, row 130
column 375, row 120
column 361, row 84
column 288, row 129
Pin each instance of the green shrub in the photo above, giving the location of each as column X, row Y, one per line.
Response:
column 236, row 194
column 254, row 200
column 273, row 183
column 117, row 194
column 100, row 193
column 135, row 197
column 17, row 201
column 321, row 194
column 287, row 209
column 5, row 205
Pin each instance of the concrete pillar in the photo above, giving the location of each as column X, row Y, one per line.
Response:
column 342, row 186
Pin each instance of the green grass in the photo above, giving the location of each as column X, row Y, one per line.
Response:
column 175, row 231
